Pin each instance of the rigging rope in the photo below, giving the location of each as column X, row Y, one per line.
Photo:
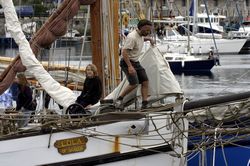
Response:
column 84, row 38
column 208, row 141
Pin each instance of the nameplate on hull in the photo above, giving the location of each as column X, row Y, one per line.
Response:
column 71, row 145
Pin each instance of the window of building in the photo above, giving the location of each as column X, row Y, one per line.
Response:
column 247, row 2
column 183, row 2
column 216, row 3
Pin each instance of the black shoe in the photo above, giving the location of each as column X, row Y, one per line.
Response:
column 119, row 103
column 144, row 105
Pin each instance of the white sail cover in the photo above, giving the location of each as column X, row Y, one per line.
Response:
column 60, row 94
column 161, row 79
column 162, row 82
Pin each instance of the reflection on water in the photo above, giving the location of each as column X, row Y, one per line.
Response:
column 233, row 76
column 195, row 73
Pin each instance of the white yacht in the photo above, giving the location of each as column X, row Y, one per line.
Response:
column 175, row 42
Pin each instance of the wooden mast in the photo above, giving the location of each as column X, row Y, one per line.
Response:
column 98, row 42
column 96, row 36
column 116, row 38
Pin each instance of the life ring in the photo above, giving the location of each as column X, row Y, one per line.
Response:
column 125, row 19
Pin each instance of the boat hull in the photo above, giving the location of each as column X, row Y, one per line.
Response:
column 203, row 46
column 191, row 66
column 120, row 143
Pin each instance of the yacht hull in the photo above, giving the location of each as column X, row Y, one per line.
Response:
column 191, row 66
column 203, row 46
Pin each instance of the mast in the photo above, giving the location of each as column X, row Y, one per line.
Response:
column 192, row 13
column 95, row 16
column 109, row 75
column 216, row 49
column 188, row 21
column 195, row 17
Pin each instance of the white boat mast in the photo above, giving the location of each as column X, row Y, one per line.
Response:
column 195, row 17
column 216, row 49
column 188, row 26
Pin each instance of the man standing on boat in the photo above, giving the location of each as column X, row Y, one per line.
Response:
column 130, row 64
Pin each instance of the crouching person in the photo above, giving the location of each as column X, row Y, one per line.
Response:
column 91, row 93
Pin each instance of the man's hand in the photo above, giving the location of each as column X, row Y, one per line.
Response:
column 131, row 70
column 150, row 39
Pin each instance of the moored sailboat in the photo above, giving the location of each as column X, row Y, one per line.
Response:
column 187, row 63
column 158, row 135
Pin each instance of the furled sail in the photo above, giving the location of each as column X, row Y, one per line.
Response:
column 55, row 27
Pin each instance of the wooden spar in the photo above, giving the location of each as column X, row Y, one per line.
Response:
column 189, row 106
column 98, row 42
column 49, row 67
column 6, row 60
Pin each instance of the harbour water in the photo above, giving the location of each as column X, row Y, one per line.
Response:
column 233, row 76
